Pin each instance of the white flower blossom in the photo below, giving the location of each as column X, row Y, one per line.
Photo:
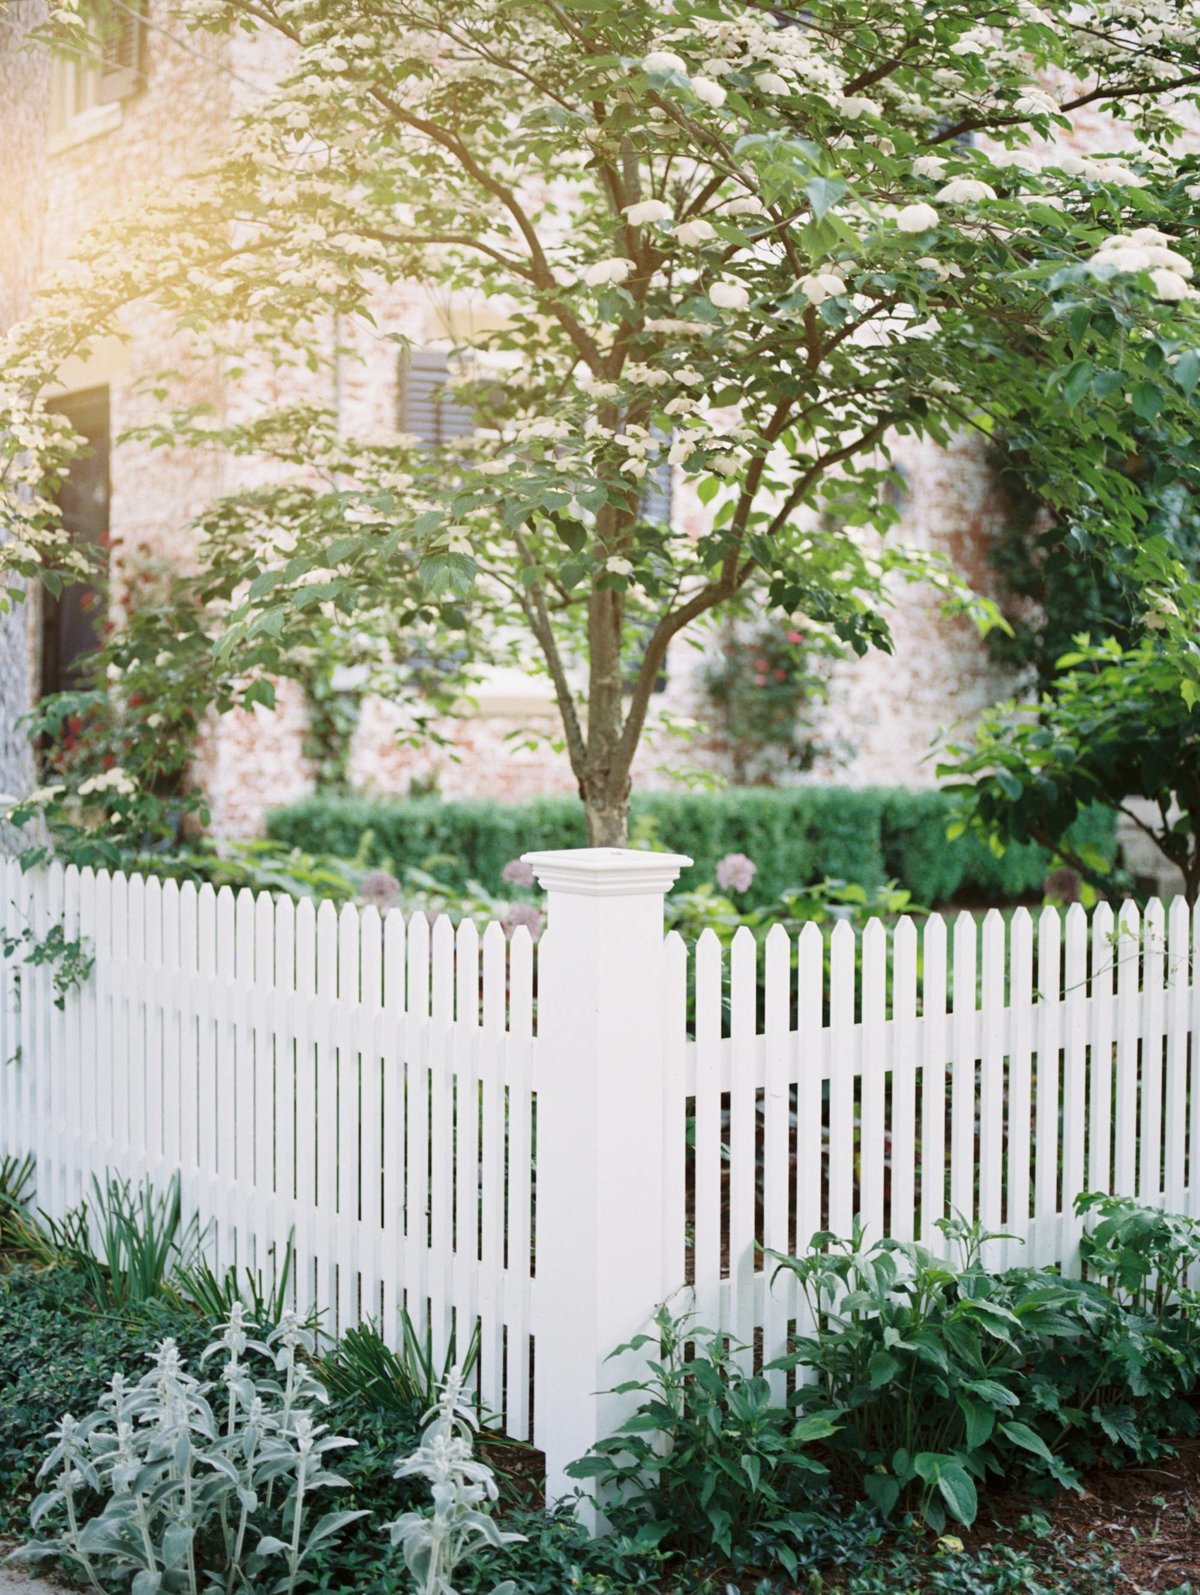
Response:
column 918, row 218
column 745, row 205
column 1168, row 284
column 821, row 285
column 771, row 83
column 929, row 166
column 855, row 105
column 696, row 232
column 616, row 565
column 613, row 270
column 664, row 61
column 728, row 294
column 708, row 92
column 647, row 210
column 965, row 191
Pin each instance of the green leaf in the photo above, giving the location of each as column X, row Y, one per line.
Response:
column 1022, row 1435
column 957, row 1489
column 1185, row 372
column 1077, row 381
column 1147, row 400
column 824, row 192
column 883, row 1490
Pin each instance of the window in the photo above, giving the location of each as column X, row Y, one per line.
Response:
column 87, row 92
column 425, row 409
column 657, row 500
column 71, row 623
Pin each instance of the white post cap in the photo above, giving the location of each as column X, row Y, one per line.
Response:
column 606, row 871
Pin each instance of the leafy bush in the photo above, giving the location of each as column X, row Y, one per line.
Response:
column 797, row 836
column 708, row 1459
column 1120, row 1389
column 922, row 1362
column 940, row 1376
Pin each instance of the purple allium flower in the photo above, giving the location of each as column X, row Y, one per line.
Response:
column 380, row 890
column 735, row 873
column 517, row 914
column 517, row 873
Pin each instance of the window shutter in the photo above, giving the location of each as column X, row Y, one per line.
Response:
column 425, row 409
column 657, row 499
column 122, row 52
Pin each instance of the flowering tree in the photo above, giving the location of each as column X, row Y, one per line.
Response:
column 757, row 242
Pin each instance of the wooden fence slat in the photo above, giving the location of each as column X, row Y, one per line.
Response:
column 777, row 1305
column 1150, row 1119
column 742, row 1165
column 1128, row 1029
column 491, row 1274
column 933, row 1081
column 876, row 1066
column 707, row 1160
column 1100, row 1106
column 902, row 1208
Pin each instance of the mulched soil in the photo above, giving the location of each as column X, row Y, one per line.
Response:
column 1149, row 1515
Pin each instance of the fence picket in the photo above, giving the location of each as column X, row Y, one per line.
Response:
column 875, row 1070
column 933, row 1080
column 1045, row 1229
column 707, row 1161
column 743, row 1164
column 991, row 1082
column 1150, row 1180
column 1101, row 1079
column 1075, row 1093
column 1178, row 969
column 902, row 1208
column 777, row 1304
column 842, row 1075
column 1128, row 1031
column 491, row 1069
column 519, row 1258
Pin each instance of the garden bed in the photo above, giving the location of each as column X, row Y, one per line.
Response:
column 802, row 1526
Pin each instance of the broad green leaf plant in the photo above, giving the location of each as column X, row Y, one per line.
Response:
column 1122, row 724
column 751, row 245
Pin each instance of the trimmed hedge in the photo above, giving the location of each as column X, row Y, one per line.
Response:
column 797, row 836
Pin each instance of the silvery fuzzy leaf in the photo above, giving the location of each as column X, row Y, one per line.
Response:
column 146, row 1583
column 177, row 1541
column 247, row 1499
column 270, row 1546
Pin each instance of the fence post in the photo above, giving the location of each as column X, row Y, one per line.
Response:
column 600, row 1137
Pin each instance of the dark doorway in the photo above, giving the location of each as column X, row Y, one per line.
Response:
column 72, row 622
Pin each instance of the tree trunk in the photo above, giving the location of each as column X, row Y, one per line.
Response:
column 607, row 819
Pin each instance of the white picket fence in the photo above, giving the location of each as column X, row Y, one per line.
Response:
column 381, row 1091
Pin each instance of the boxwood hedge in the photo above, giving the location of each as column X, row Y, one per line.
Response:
column 796, row 836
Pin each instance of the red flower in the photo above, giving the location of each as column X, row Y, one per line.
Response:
column 795, row 636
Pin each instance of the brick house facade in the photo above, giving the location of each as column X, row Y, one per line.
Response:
column 68, row 156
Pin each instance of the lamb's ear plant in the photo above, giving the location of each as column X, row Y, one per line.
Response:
column 464, row 1489
column 204, row 1487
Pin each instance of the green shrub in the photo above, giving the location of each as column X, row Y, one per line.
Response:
column 940, row 1376
column 797, row 836
column 708, row 1459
